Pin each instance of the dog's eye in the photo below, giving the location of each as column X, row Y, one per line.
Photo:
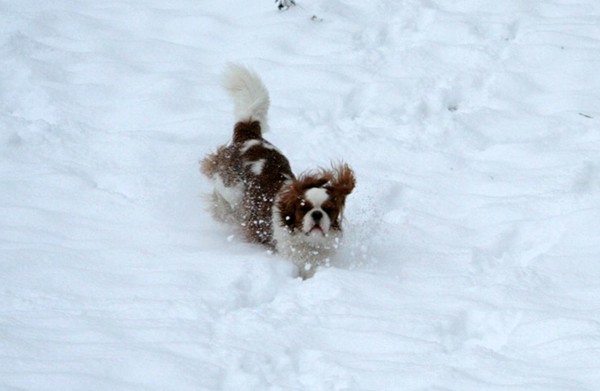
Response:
column 328, row 208
column 331, row 212
column 304, row 207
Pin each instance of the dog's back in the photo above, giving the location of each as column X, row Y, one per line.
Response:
column 249, row 171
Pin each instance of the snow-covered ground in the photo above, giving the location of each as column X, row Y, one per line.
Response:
column 472, row 252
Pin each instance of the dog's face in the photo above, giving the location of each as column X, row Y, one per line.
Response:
column 316, row 211
column 313, row 204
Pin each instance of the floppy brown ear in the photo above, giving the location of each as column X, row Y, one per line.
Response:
column 287, row 206
column 343, row 181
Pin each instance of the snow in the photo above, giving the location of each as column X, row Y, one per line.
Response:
column 472, row 243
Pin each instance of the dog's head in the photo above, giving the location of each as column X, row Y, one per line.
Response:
column 312, row 204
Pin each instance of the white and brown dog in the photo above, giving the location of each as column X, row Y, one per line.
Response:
column 254, row 187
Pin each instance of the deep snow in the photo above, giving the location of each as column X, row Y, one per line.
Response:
column 472, row 252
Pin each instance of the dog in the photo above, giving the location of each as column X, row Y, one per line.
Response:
column 254, row 186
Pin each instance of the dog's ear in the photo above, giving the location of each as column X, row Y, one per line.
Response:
column 286, row 204
column 343, row 180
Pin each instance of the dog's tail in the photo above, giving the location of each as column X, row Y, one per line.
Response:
column 249, row 94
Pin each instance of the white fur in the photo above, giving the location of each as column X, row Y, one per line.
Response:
column 249, row 144
column 257, row 166
column 226, row 200
column 316, row 196
column 249, row 94
column 232, row 194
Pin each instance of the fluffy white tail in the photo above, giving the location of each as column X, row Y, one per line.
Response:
column 249, row 94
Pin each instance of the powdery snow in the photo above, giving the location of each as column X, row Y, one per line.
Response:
column 472, row 247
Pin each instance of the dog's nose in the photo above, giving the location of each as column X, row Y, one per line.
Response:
column 317, row 215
